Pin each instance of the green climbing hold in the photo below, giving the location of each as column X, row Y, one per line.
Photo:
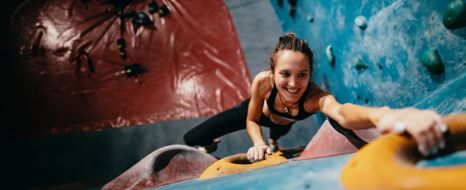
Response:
column 454, row 15
column 360, row 65
column 431, row 59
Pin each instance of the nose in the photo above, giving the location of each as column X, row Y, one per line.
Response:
column 292, row 82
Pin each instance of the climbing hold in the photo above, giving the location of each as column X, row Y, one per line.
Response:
column 153, row 7
column 361, row 22
column 133, row 70
column 360, row 65
column 126, row 15
column 454, row 15
column 163, row 11
column 310, row 18
column 121, row 48
column 431, row 59
column 292, row 8
column 169, row 164
column 280, row 3
column 239, row 163
column 380, row 66
column 397, row 156
column 141, row 19
column 330, row 56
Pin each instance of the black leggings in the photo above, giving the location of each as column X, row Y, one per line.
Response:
column 228, row 121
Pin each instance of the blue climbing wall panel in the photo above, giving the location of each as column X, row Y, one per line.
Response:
column 381, row 64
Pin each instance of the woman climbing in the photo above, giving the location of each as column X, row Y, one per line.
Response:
column 285, row 94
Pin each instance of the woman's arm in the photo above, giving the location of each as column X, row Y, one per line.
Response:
column 259, row 88
column 425, row 126
column 351, row 116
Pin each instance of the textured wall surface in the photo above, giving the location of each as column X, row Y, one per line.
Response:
column 397, row 34
column 381, row 65
column 85, row 66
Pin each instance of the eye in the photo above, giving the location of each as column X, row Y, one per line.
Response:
column 285, row 74
column 302, row 75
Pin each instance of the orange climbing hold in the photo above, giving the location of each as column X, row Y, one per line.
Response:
column 240, row 163
column 389, row 163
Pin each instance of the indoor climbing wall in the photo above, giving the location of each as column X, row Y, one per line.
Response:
column 90, row 65
column 391, row 52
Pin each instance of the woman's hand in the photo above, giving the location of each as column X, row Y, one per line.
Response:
column 256, row 152
column 425, row 126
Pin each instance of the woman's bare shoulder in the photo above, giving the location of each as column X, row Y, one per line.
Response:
column 262, row 83
column 313, row 100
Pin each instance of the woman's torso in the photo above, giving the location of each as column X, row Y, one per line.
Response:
column 306, row 104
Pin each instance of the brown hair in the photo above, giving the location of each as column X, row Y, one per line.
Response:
column 289, row 41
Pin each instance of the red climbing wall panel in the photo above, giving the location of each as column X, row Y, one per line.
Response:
column 69, row 76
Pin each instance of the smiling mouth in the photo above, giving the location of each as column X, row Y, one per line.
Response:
column 295, row 91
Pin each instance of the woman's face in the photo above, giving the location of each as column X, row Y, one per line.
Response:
column 291, row 74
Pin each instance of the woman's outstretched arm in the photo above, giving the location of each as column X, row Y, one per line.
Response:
column 425, row 126
column 258, row 89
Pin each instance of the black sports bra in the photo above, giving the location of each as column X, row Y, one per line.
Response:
column 302, row 114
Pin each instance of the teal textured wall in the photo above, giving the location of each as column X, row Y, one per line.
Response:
column 388, row 51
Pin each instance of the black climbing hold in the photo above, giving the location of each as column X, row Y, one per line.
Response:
column 125, row 15
column 292, row 12
column 121, row 48
column 310, row 18
column 90, row 65
column 153, row 7
column 121, row 43
column 330, row 56
column 280, row 3
column 164, row 11
column 141, row 19
column 292, row 9
column 360, row 65
column 454, row 15
column 431, row 59
column 132, row 70
column 84, row 2
column 380, row 66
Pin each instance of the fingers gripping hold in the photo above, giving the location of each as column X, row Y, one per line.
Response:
column 256, row 152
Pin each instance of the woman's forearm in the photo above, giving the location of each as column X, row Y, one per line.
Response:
column 360, row 117
column 255, row 133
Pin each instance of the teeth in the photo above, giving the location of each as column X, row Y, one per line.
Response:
column 292, row 91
